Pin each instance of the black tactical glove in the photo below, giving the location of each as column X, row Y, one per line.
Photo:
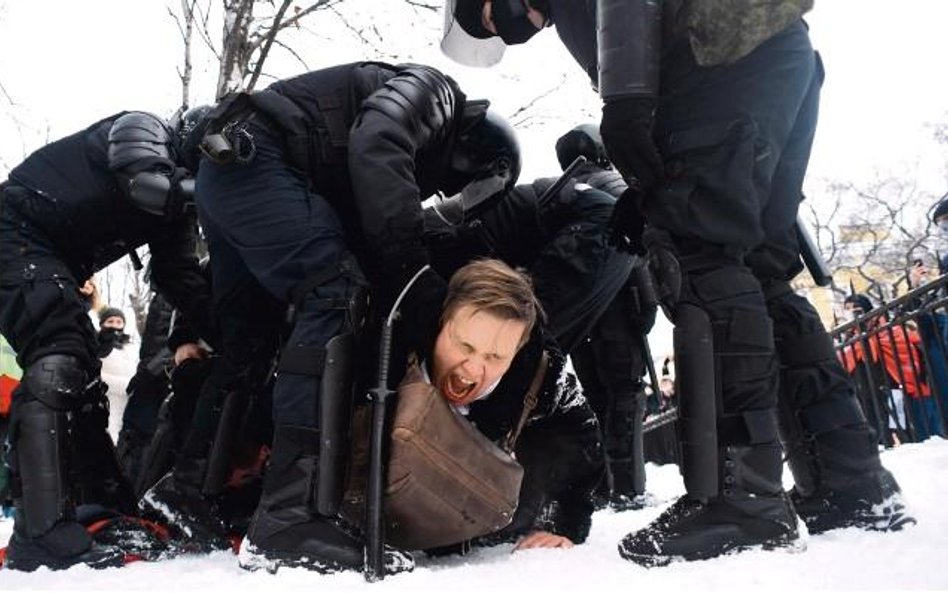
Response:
column 181, row 194
column 626, row 130
column 627, row 223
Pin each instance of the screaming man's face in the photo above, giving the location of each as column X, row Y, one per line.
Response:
column 473, row 351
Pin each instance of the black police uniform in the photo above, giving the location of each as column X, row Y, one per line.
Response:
column 736, row 139
column 330, row 170
column 66, row 212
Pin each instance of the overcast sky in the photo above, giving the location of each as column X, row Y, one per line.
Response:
column 68, row 63
column 885, row 80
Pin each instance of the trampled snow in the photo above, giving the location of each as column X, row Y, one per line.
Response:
column 846, row 559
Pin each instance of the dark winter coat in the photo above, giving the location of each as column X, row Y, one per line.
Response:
column 560, row 446
column 74, row 200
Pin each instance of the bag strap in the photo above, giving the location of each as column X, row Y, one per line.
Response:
column 529, row 402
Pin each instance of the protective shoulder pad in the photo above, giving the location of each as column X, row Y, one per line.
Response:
column 140, row 141
column 419, row 98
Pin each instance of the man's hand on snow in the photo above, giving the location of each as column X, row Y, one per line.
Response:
column 543, row 539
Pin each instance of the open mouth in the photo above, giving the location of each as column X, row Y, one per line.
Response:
column 457, row 387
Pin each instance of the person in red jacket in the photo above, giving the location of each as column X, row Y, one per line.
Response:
column 896, row 349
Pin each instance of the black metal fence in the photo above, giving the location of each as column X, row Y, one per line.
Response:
column 897, row 355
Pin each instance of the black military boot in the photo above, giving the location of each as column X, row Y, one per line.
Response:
column 751, row 511
column 45, row 530
column 177, row 500
column 627, row 491
column 832, row 451
column 139, row 538
column 287, row 531
column 182, row 498
column 840, row 482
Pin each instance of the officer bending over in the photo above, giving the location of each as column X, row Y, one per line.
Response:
column 70, row 209
column 307, row 185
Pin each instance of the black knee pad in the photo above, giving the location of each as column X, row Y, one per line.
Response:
column 57, row 380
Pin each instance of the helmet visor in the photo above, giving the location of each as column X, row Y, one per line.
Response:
column 464, row 48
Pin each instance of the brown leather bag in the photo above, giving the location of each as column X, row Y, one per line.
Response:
column 446, row 481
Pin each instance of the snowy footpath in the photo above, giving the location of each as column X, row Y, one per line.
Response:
column 846, row 559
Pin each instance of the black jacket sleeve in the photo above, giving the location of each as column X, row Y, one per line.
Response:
column 154, row 354
column 411, row 115
column 177, row 274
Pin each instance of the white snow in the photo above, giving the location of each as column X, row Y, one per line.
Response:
column 846, row 559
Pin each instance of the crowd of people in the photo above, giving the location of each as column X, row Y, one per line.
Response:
column 896, row 354
column 309, row 195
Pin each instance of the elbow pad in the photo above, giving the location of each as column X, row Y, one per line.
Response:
column 419, row 99
column 160, row 194
column 629, row 40
column 141, row 153
column 149, row 192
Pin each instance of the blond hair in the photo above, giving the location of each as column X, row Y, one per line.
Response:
column 491, row 286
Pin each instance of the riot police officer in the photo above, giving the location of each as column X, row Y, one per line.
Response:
column 611, row 361
column 312, row 190
column 709, row 112
column 71, row 208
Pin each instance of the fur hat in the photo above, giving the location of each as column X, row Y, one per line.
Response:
column 107, row 312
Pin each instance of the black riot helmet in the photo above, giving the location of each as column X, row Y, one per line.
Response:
column 185, row 122
column 484, row 162
column 188, row 127
column 583, row 140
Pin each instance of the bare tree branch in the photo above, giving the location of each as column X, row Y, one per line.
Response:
column 234, row 56
column 423, row 5
column 301, row 13
column 270, row 36
column 21, row 127
column 293, row 53
column 521, row 116
column 187, row 32
column 204, row 30
column 6, row 95
column 375, row 44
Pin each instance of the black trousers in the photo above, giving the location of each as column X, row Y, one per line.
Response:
column 737, row 140
column 268, row 234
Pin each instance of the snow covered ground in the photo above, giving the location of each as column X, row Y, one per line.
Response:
column 842, row 560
